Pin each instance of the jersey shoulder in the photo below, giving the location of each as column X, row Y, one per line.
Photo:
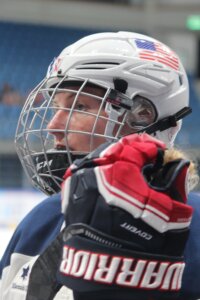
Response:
column 39, row 227
column 44, row 219
column 194, row 200
column 191, row 275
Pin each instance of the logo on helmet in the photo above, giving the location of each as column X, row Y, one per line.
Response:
column 54, row 65
column 156, row 51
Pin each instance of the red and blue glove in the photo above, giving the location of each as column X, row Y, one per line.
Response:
column 127, row 222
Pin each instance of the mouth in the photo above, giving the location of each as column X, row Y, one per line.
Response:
column 70, row 150
column 61, row 147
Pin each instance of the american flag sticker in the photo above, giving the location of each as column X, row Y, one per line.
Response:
column 156, row 51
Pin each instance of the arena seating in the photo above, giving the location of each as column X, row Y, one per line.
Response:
column 27, row 50
column 25, row 53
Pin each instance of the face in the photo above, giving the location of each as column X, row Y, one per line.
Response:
column 79, row 121
column 75, row 119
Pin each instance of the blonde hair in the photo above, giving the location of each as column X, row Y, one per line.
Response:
column 193, row 178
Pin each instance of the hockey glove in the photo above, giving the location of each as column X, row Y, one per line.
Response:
column 126, row 222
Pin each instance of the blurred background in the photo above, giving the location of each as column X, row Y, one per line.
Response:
column 33, row 32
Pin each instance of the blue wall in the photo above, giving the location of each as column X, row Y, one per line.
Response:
column 27, row 50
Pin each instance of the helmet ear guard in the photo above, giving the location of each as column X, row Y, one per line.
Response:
column 167, row 122
column 118, row 104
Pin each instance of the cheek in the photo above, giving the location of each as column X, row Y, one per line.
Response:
column 89, row 125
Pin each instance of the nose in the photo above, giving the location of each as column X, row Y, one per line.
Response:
column 57, row 124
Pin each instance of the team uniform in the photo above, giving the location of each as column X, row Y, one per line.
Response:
column 29, row 241
column 26, row 244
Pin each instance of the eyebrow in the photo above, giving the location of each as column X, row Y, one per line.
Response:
column 67, row 97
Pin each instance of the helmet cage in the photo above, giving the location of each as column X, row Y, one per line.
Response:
column 45, row 163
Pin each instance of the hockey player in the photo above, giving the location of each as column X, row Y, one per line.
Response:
column 99, row 89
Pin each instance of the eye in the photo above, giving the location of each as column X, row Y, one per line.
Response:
column 81, row 106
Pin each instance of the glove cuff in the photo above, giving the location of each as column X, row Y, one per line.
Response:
column 113, row 266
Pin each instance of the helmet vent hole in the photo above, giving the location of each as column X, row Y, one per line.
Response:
column 180, row 80
column 96, row 65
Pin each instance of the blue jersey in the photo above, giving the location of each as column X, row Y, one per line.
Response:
column 191, row 276
column 40, row 227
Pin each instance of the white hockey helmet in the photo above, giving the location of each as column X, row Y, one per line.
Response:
column 137, row 73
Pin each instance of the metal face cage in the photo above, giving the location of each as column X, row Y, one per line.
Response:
column 66, row 118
